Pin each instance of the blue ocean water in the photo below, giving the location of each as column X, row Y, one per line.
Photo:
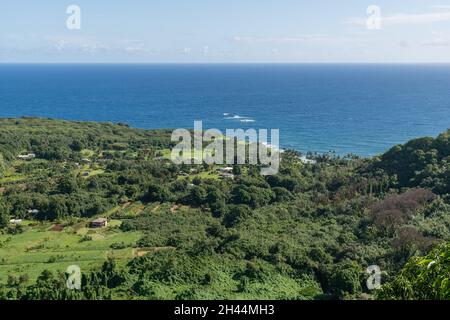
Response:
column 362, row 109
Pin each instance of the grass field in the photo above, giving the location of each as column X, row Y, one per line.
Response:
column 11, row 176
column 38, row 249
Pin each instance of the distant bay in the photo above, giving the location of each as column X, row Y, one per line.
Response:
column 361, row 109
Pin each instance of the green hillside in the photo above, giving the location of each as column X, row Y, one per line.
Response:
column 186, row 232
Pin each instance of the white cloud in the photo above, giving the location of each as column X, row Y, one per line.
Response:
column 279, row 40
column 310, row 39
column 134, row 47
column 405, row 19
column 436, row 43
column 438, row 7
column 439, row 40
column 93, row 46
column 404, row 44
column 76, row 43
column 72, row 44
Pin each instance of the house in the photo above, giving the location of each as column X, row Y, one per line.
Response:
column 226, row 175
column 26, row 157
column 226, row 170
column 307, row 161
column 99, row 223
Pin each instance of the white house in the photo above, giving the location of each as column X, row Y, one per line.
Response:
column 307, row 161
column 29, row 156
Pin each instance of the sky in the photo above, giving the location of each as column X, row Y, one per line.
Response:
column 227, row 31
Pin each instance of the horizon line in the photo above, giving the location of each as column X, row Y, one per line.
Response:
column 226, row 63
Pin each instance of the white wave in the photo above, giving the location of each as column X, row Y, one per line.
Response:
column 237, row 117
column 272, row 146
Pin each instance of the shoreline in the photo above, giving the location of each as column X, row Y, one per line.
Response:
column 302, row 152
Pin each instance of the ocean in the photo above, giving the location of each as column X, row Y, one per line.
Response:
column 348, row 108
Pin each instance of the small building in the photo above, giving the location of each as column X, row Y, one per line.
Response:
column 307, row 161
column 15, row 221
column 99, row 223
column 226, row 170
column 26, row 157
column 226, row 175
column 33, row 211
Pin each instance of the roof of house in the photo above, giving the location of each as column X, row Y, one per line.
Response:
column 26, row 156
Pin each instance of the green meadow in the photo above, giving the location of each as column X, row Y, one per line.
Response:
column 39, row 248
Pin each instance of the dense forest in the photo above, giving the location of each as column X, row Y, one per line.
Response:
column 309, row 232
